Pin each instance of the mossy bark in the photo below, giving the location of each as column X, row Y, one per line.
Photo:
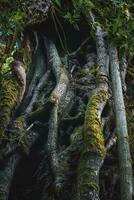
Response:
column 9, row 94
column 93, row 152
column 65, row 104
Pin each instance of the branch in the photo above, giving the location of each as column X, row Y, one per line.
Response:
column 111, row 142
column 57, row 95
column 102, row 58
column 123, row 72
column 101, row 51
column 37, row 91
column 38, row 67
column 53, row 139
column 122, row 132
column 69, row 157
column 93, row 153
column 60, row 74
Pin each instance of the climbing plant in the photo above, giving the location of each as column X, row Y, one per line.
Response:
column 66, row 99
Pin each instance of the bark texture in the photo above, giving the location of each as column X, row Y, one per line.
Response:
column 62, row 134
column 121, row 128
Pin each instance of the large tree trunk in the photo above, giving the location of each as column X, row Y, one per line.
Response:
column 59, row 129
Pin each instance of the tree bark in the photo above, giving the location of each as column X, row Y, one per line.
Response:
column 67, row 113
column 121, row 127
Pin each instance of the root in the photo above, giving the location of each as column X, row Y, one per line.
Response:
column 60, row 74
column 37, row 91
column 10, row 161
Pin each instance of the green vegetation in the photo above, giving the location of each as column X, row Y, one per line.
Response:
column 23, row 39
column 9, row 94
column 93, row 135
column 11, row 15
column 118, row 24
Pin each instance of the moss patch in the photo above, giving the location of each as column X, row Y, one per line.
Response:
column 93, row 148
column 10, row 91
column 19, row 132
column 76, row 135
column 93, row 136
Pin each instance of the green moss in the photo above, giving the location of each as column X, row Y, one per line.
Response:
column 20, row 132
column 19, row 122
column 94, row 70
column 97, row 77
column 91, row 186
column 76, row 135
column 93, row 148
column 93, row 136
column 111, row 22
column 9, row 94
column 27, row 58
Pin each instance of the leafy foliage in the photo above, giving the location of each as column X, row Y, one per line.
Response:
column 118, row 22
column 11, row 16
column 5, row 70
column 116, row 18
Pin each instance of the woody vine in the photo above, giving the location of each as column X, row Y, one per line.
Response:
column 66, row 104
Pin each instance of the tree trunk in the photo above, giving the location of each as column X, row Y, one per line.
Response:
column 58, row 101
column 122, row 132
